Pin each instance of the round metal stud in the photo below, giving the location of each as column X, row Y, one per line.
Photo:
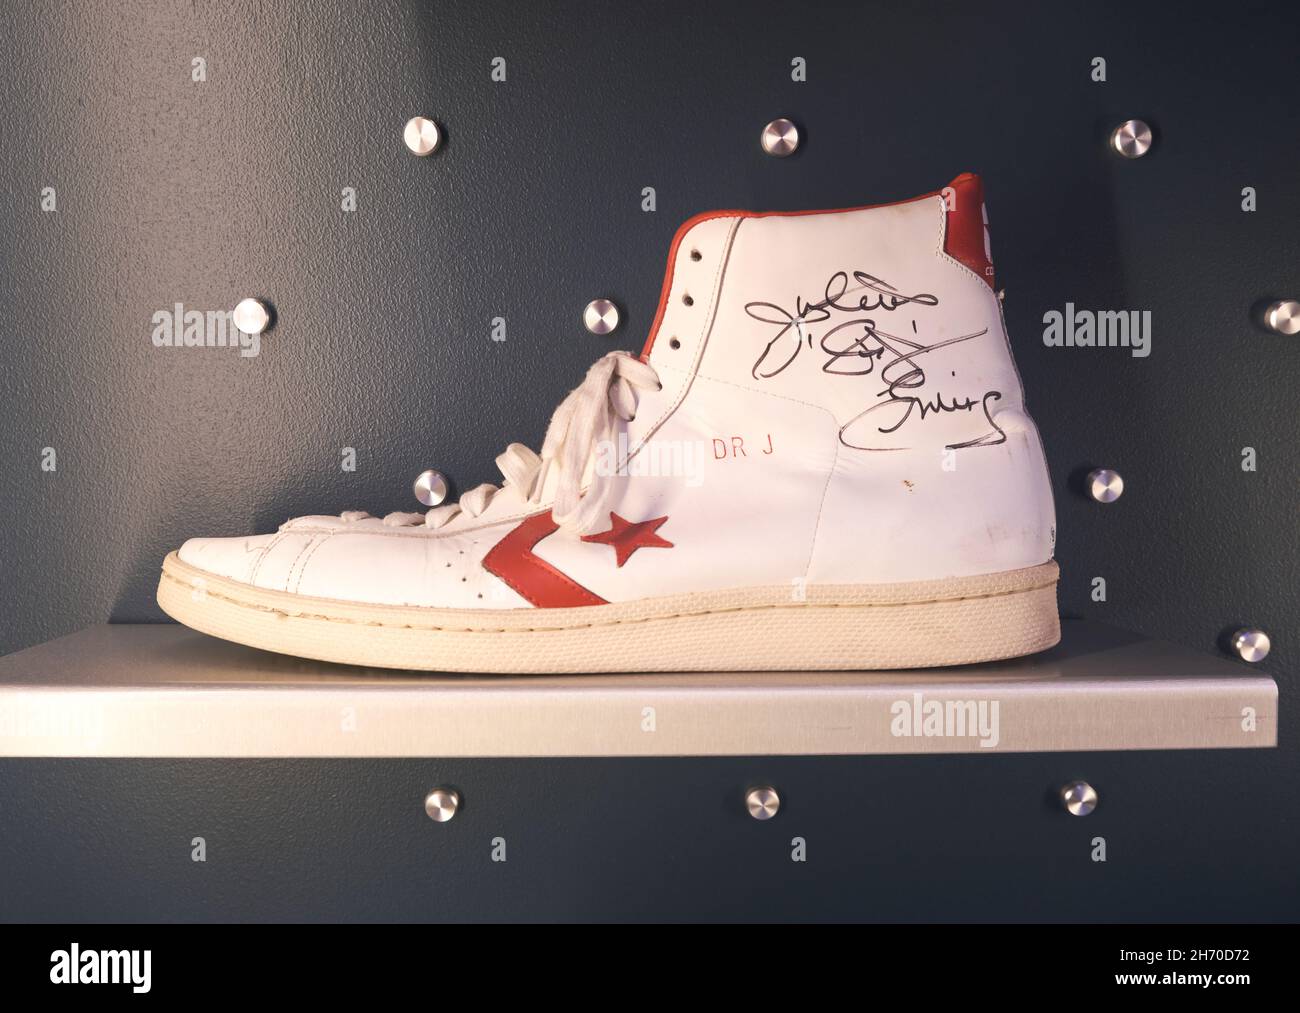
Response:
column 441, row 804
column 422, row 135
column 1251, row 645
column 1079, row 798
column 252, row 316
column 1105, row 485
column 600, row 316
column 763, row 803
column 1283, row 317
column 430, row 487
column 780, row 138
column 1132, row 138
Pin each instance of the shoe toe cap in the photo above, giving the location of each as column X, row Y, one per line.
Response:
column 233, row 558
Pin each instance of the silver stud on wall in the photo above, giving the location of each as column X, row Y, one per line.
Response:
column 1283, row 317
column 422, row 135
column 1105, row 485
column 441, row 804
column 780, row 138
column 1132, row 139
column 600, row 316
column 251, row 316
column 1251, row 645
column 763, row 803
column 1079, row 798
column 430, row 487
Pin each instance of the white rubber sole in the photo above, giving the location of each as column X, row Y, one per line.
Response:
column 819, row 627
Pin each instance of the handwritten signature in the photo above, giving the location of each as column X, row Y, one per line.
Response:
column 878, row 295
column 861, row 341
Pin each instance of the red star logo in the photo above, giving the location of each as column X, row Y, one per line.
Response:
column 627, row 537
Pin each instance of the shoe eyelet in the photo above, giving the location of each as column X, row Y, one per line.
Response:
column 695, row 255
column 688, row 300
column 674, row 344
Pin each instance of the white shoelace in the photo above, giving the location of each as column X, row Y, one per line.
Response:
column 588, row 417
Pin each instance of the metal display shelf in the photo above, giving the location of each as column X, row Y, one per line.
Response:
column 166, row 691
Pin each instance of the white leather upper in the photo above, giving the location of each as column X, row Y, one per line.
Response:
column 874, row 462
column 364, row 561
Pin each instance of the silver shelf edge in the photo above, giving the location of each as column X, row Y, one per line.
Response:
column 163, row 691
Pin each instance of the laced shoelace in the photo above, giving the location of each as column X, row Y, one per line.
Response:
column 587, row 418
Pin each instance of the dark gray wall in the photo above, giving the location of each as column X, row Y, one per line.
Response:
column 889, row 838
column 202, row 193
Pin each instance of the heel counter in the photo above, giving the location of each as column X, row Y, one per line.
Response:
column 904, row 517
column 966, row 233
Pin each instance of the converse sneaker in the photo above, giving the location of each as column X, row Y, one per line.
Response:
column 821, row 460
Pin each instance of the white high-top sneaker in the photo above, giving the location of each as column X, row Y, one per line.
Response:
column 821, row 460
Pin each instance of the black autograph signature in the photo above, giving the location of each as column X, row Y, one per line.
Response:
column 905, row 405
column 879, row 295
column 862, row 342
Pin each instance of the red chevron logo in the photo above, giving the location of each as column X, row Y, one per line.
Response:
column 531, row 577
